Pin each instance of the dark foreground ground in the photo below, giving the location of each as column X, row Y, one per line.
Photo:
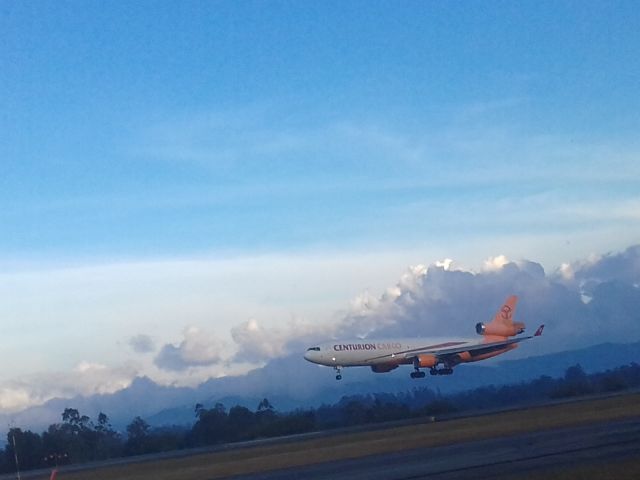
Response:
column 545, row 453
column 596, row 438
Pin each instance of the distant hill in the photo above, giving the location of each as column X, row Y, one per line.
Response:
column 593, row 359
column 291, row 383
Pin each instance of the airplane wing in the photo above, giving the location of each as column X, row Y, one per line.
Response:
column 452, row 348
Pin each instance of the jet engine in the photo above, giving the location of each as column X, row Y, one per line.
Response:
column 426, row 361
column 500, row 330
column 383, row 368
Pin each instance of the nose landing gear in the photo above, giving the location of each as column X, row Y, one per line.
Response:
column 338, row 374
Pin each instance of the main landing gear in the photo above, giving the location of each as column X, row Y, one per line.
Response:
column 416, row 370
column 338, row 374
column 442, row 371
column 417, row 373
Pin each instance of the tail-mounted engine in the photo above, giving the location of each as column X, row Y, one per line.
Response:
column 500, row 330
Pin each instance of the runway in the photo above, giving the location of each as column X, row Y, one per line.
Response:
column 592, row 444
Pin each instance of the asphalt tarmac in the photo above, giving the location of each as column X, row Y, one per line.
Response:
column 592, row 444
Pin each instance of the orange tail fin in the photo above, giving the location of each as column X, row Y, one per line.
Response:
column 505, row 314
column 502, row 324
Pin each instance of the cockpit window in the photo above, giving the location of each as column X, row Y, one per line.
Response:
column 315, row 349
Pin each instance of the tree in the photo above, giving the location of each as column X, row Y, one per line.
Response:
column 108, row 442
column 265, row 412
column 241, row 423
column 265, row 406
column 211, row 427
column 73, row 439
column 28, row 449
column 78, row 422
column 137, row 437
column 576, row 382
column 613, row 382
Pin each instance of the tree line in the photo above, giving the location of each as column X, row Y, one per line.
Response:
column 77, row 438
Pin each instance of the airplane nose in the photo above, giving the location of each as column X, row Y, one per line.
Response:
column 311, row 356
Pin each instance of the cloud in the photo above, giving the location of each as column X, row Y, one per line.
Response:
column 621, row 267
column 440, row 301
column 86, row 378
column 493, row 264
column 142, row 344
column 366, row 315
column 198, row 349
column 449, row 302
column 257, row 343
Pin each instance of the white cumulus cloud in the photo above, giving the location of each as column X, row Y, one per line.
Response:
column 197, row 349
column 256, row 342
column 493, row 264
column 86, row 378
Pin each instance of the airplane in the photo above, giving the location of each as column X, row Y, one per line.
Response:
column 388, row 354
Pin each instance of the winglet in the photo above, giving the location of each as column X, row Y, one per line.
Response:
column 539, row 331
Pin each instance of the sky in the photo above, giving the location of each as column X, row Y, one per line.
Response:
column 177, row 176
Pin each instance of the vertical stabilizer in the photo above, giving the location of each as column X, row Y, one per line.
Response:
column 502, row 324
column 505, row 314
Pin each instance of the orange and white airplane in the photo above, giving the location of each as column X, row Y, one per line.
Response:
column 386, row 355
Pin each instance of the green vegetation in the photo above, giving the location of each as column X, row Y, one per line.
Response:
column 78, row 439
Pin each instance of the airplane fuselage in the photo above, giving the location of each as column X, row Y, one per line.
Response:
column 377, row 352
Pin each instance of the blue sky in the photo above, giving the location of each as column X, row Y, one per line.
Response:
column 306, row 150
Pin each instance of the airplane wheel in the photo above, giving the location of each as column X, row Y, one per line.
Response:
column 338, row 377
